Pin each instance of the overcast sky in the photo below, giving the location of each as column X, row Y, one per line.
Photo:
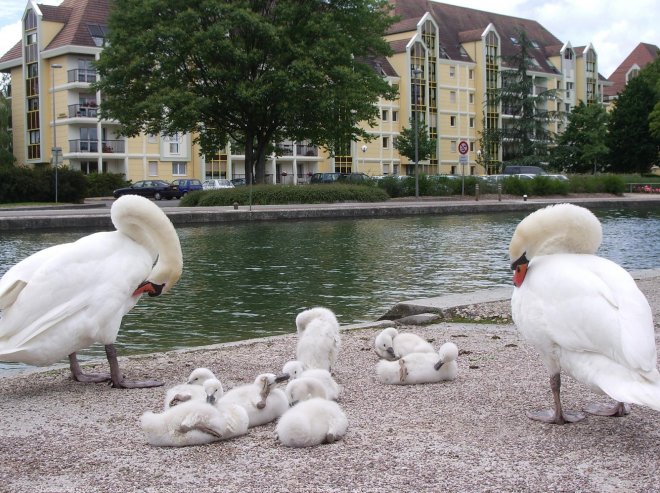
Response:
column 614, row 27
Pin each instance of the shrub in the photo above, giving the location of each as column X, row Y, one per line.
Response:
column 23, row 184
column 103, row 184
column 285, row 194
column 614, row 184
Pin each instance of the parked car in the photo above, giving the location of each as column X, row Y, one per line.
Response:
column 238, row 181
column 187, row 185
column 523, row 170
column 217, row 183
column 155, row 189
column 356, row 178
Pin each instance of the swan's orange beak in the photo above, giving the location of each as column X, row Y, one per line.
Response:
column 519, row 270
column 150, row 288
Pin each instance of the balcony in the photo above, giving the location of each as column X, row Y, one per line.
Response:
column 108, row 146
column 307, row 150
column 89, row 110
column 81, row 75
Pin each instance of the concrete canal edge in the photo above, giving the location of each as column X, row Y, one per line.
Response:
column 93, row 216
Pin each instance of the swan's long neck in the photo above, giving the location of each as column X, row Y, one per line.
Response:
column 145, row 223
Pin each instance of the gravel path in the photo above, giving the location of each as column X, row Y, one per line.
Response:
column 467, row 435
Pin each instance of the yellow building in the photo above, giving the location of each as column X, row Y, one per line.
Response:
column 446, row 60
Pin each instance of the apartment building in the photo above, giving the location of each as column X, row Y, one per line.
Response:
column 446, row 63
column 637, row 59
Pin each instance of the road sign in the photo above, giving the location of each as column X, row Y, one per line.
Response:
column 463, row 159
column 463, row 147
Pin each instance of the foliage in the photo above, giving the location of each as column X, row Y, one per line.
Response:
column 633, row 148
column 103, row 184
column 607, row 183
column 582, row 147
column 23, row 184
column 525, row 138
column 255, row 73
column 405, row 142
column 284, row 194
column 6, row 153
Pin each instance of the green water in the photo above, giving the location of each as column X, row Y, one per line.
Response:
column 242, row 281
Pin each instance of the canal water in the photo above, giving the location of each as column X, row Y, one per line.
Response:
column 249, row 280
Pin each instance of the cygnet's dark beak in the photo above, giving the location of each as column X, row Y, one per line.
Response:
column 210, row 399
column 390, row 351
column 438, row 365
column 282, row 377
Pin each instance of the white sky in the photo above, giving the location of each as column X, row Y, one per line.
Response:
column 614, row 27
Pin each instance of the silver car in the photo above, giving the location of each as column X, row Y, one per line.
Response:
column 216, row 184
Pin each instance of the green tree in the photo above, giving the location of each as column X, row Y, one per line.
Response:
column 526, row 136
column 632, row 147
column 6, row 153
column 405, row 142
column 250, row 72
column 582, row 147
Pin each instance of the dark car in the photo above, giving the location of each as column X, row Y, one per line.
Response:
column 324, row 177
column 355, row 178
column 156, row 189
column 523, row 170
column 238, row 181
column 187, row 185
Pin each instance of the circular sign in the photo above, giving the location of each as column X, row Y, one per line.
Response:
column 463, row 147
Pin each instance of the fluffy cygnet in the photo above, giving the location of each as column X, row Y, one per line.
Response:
column 304, row 388
column 318, row 338
column 312, row 422
column 420, row 367
column 261, row 400
column 192, row 389
column 189, row 423
column 391, row 344
column 295, row 370
column 236, row 417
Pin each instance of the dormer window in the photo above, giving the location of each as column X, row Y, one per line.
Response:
column 98, row 33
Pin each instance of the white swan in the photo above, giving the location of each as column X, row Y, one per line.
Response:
column 236, row 417
column 583, row 313
column 304, row 388
column 391, row 344
column 318, row 338
column 262, row 401
column 189, row 423
column 312, row 422
column 295, row 370
column 70, row 296
column 192, row 389
column 417, row 368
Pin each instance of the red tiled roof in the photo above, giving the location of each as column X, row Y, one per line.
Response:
column 399, row 46
column 75, row 15
column 459, row 24
column 642, row 55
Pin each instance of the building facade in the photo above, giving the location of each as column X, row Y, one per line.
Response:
column 446, row 64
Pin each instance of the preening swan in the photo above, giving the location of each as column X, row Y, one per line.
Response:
column 192, row 389
column 583, row 313
column 312, row 422
column 70, row 296
column 391, row 344
column 318, row 338
column 417, row 368
column 262, row 401
column 303, row 388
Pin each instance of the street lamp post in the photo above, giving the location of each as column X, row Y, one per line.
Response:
column 364, row 158
column 416, row 73
column 55, row 150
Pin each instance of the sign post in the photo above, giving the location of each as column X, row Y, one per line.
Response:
column 463, row 159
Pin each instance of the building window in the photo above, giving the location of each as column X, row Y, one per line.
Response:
column 89, row 167
column 452, row 121
column 452, row 96
column 471, row 74
column 395, row 116
column 153, row 168
column 385, row 115
column 386, row 142
column 179, row 168
column 471, row 98
column 471, row 122
column 452, row 146
column 471, row 146
column 452, row 71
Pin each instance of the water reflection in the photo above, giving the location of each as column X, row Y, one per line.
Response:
column 249, row 280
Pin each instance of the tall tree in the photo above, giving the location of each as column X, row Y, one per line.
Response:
column 582, row 147
column 526, row 136
column 6, row 152
column 253, row 72
column 633, row 149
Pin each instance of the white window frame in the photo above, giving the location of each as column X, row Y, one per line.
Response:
column 153, row 168
column 179, row 168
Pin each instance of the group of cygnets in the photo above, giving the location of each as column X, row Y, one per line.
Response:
column 199, row 411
